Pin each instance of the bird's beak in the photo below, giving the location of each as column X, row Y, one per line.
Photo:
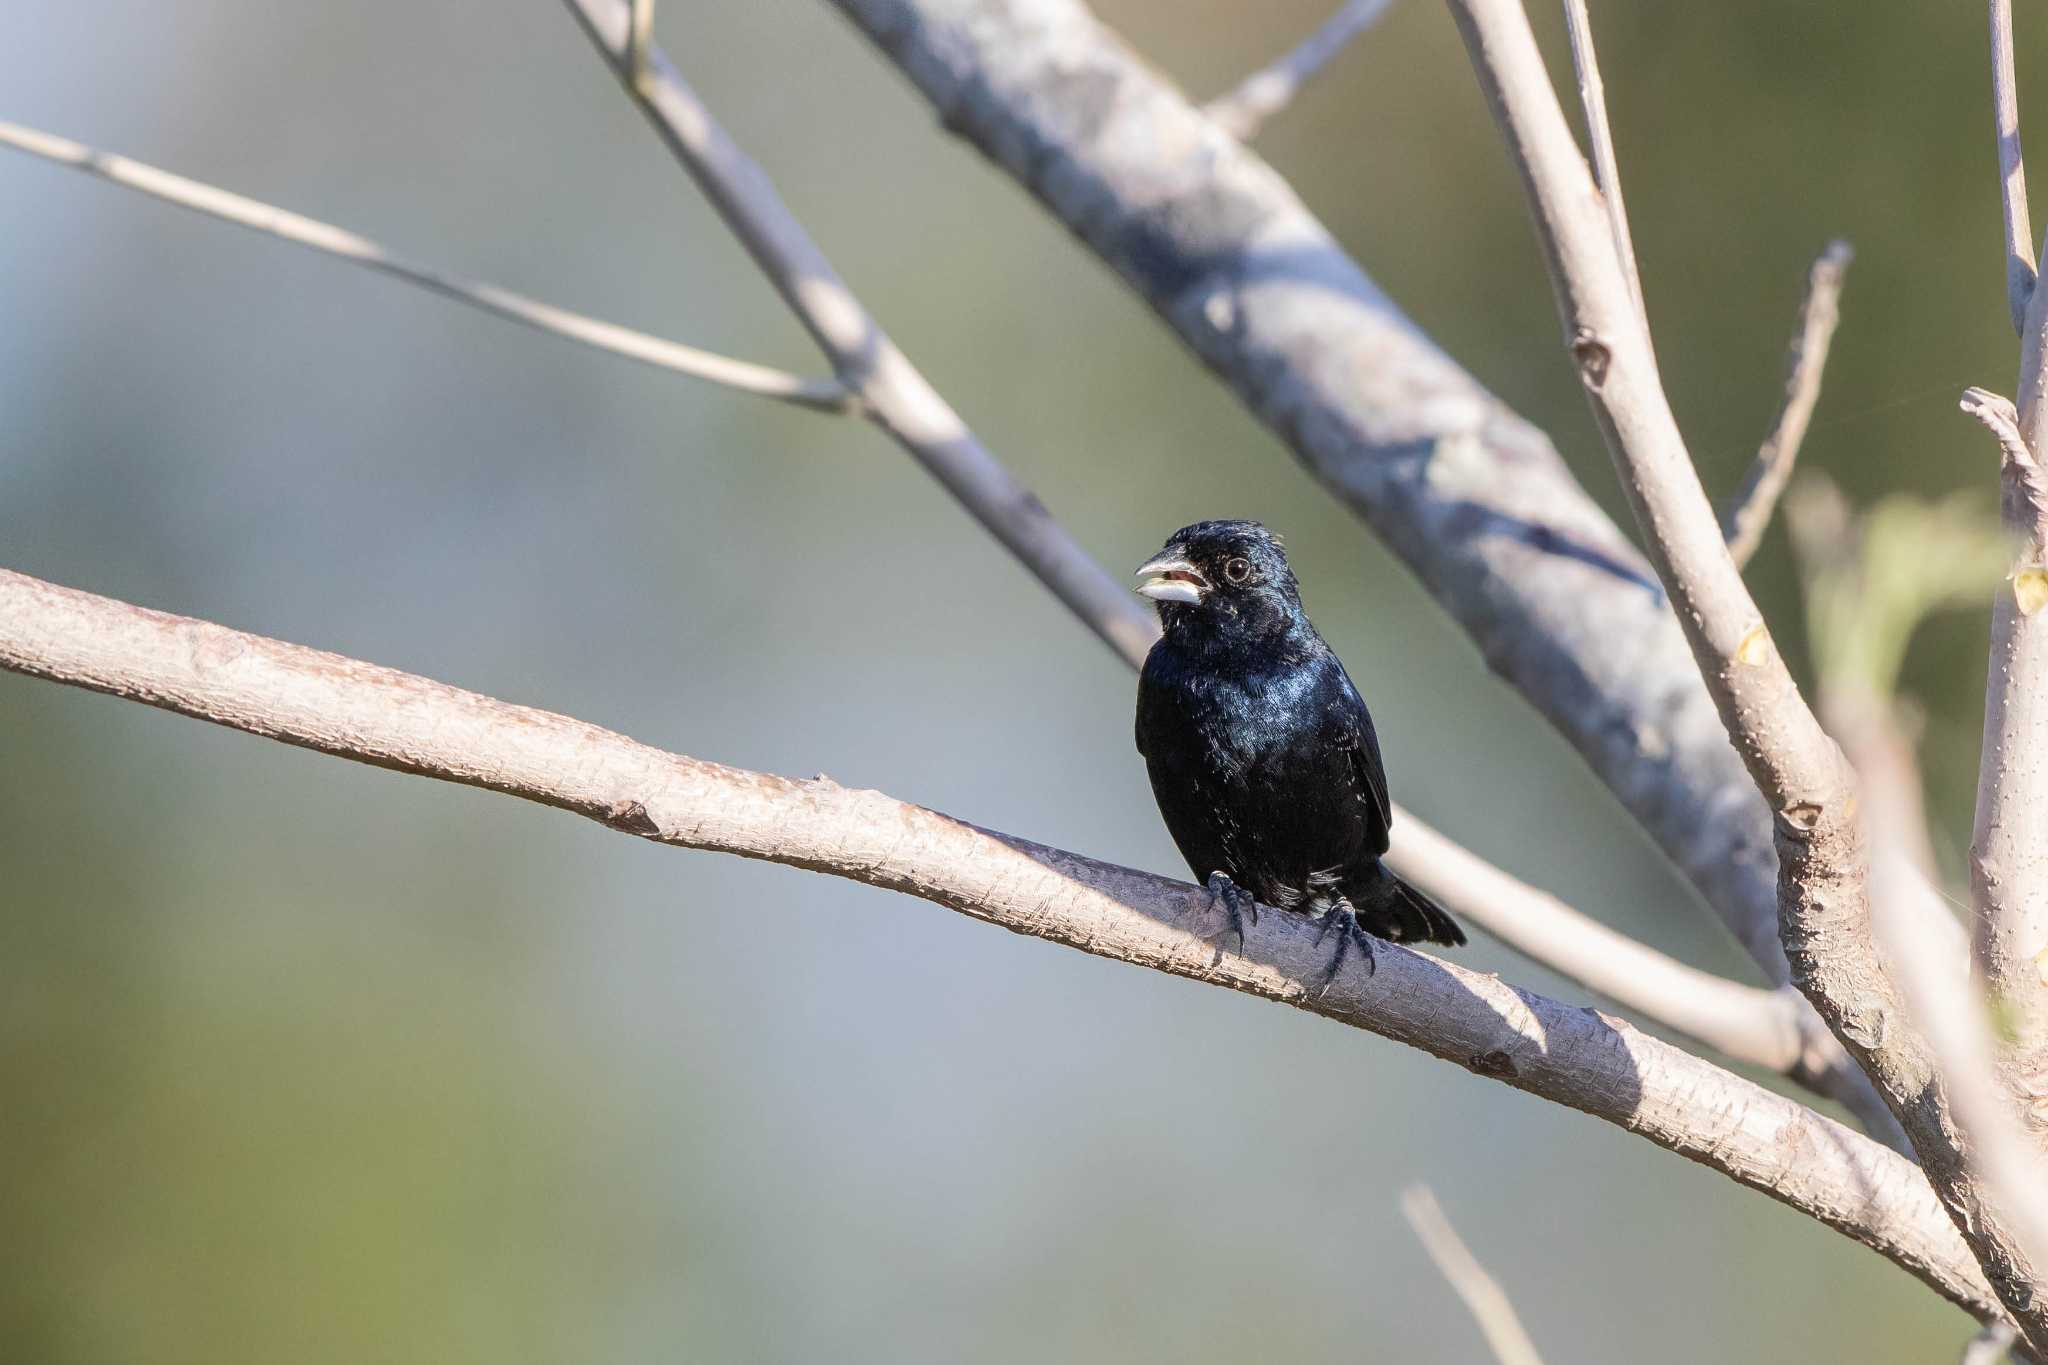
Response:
column 1169, row 577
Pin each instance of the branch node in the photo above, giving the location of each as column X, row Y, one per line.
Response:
column 1593, row 356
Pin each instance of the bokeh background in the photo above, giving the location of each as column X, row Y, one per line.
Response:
column 308, row 1061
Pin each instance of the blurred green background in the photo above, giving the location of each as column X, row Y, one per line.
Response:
column 307, row 1061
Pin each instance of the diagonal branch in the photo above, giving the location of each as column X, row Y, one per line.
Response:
column 1576, row 1057
column 895, row 395
column 1488, row 1303
column 825, row 395
column 1243, row 111
column 1771, row 1028
column 1748, row 512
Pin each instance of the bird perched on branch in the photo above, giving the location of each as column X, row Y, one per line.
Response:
column 1261, row 752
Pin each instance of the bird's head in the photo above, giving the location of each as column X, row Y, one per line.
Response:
column 1222, row 578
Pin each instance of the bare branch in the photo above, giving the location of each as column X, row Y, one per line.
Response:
column 1823, row 897
column 1751, row 1025
column 2008, row 865
column 1575, row 1057
column 825, row 395
column 1474, row 500
column 2012, row 167
column 1244, row 111
column 1487, row 1301
column 896, row 396
column 1767, row 1028
column 1748, row 512
column 1606, row 168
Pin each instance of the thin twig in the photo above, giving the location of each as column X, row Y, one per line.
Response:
column 639, row 42
column 1748, row 512
column 1488, row 1302
column 2012, row 167
column 1244, row 110
column 895, row 395
column 824, row 395
column 1577, row 1057
column 1606, row 168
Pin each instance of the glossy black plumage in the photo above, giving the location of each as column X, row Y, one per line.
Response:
column 1261, row 752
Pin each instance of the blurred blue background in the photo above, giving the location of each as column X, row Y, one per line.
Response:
column 308, row 1061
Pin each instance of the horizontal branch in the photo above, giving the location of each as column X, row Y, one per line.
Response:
column 1575, row 1057
column 1244, row 110
column 826, row 395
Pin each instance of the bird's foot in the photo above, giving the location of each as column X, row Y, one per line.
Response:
column 1342, row 920
column 1236, row 906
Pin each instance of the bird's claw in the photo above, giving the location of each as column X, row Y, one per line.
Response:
column 1237, row 905
column 1341, row 918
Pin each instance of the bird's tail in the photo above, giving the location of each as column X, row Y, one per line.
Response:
column 1399, row 913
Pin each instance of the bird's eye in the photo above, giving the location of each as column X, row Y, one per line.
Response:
column 1238, row 569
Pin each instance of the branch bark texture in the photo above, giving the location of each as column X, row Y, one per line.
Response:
column 1576, row 1057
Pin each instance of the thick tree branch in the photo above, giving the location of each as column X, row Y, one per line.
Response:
column 1473, row 498
column 1768, row 1028
column 1748, row 512
column 894, row 394
column 826, row 395
column 1244, row 111
column 1488, row 1303
column 2008, row 865
column 1795, row 764
column 1576, row 1057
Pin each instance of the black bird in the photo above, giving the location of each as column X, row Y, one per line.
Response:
column 1261, row 752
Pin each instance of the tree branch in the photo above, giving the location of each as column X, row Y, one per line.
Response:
column 1750, row 1025
column 1575, row 1057
column 1797, row 767
column 1774, row 1028
column 2012, row 168
column 825, row 395
column 1488, row 1303
column 1748, row 512
column 1244, row 110
column 1469, row 495
column 1600, row 137
column 895, row 395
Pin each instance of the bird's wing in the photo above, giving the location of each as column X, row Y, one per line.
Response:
column 1361, row 745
